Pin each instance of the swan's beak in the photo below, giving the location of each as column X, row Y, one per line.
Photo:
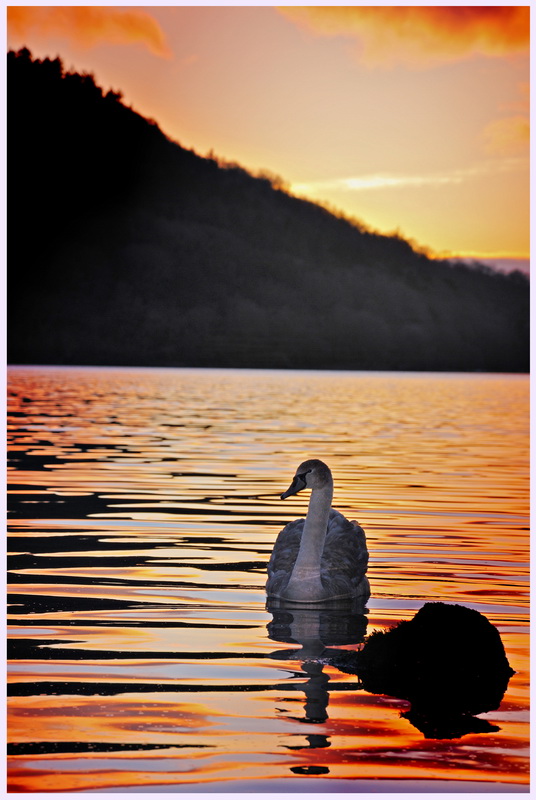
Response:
column 296, row 486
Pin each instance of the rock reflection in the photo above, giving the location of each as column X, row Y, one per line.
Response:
column 448, row 661
column 316, row 630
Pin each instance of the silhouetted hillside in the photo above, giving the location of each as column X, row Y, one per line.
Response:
column 125, row 248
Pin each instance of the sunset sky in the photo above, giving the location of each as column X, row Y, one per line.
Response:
column 411, row 119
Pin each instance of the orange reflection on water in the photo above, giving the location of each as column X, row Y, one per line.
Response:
column 373, row 739
column 145, row 506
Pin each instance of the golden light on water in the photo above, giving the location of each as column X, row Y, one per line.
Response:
column 145, row 506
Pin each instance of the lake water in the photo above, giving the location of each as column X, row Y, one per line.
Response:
column 144, row 505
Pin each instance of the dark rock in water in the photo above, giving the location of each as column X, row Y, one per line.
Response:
column 448, row 661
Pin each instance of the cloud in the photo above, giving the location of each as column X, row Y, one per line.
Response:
column 420, row 35
column 88, row 26
column 508, row 135
column 385, row 181
column 371, row 182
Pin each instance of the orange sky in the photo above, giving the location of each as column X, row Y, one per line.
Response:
column 412, row 119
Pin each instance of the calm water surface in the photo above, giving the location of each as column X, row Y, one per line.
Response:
column 143, row 508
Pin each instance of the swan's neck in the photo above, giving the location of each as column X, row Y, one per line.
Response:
column 304, row 583
column 314, row 531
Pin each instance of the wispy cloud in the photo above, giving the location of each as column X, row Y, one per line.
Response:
column 88, row 26
column 420, row 35
column 382, row 181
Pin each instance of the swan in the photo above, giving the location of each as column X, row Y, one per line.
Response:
column 322, row 557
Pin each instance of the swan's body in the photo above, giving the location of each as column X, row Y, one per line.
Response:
column 322, row 557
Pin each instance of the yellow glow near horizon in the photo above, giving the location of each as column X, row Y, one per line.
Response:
column 409, row 119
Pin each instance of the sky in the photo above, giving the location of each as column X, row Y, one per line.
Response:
column 411, row 119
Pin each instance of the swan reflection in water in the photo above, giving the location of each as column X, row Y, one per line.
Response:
column 318, row 631
column 448, row 662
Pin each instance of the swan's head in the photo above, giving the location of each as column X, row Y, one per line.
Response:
column 312, row 474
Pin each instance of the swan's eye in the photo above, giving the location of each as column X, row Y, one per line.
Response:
column 303, row 475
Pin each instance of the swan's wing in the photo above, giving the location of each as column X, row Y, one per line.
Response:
column 345, row 556
column 283, row 556
column 344, row 560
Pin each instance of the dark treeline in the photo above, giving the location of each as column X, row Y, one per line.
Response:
column 125, row 248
